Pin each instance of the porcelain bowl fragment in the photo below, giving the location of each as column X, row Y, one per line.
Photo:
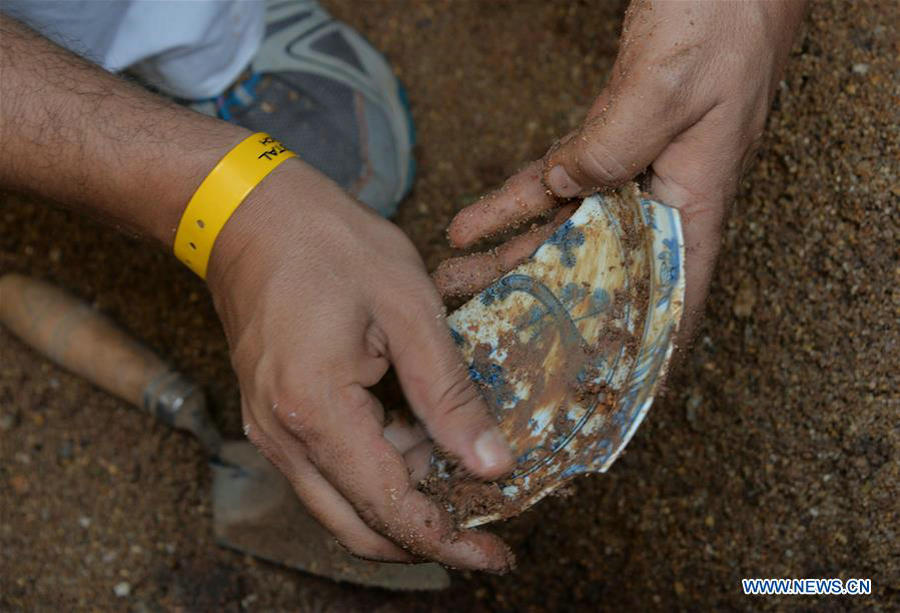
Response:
column 570, row 347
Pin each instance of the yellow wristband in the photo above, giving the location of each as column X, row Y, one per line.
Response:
column 220, row 194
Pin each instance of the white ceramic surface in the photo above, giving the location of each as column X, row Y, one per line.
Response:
column 570, row 347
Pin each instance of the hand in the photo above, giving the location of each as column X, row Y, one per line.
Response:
column 318, row 296
column 688, row 98
column 316, row 293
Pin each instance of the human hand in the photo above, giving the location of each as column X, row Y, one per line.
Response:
column 318, row 295
column 688, row 98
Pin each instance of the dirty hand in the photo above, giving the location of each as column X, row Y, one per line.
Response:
column 318, row 296
column 687, row 100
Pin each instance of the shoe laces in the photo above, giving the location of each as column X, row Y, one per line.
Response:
column 240, row 95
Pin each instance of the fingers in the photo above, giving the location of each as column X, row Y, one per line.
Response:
column 621, row 136
column 340, row 518
column 437, row 385
column 418, row 461
column 411, row 441
column 404, row 436
column 319, row 497
column 369, row 472
column 467, row 275
column 522, row 197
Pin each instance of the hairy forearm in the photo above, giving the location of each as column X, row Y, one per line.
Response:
column 72, row 133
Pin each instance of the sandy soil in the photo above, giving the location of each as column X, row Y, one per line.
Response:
column 774, row 453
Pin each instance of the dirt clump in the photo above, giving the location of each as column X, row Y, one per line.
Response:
column 462, row 494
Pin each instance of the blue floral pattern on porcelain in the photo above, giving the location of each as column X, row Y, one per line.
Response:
column 570, row 346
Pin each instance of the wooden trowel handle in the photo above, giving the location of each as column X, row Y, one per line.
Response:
column 77, row 337
column 87, row 343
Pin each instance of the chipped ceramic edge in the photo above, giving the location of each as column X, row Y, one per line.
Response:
column 660, row 327
column 668, row 307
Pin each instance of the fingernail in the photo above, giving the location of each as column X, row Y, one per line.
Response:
column 492, row 450
column 561, row 183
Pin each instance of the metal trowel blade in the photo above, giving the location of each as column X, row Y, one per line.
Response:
column 255, row 511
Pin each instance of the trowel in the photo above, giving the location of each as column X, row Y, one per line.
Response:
column 255, row 510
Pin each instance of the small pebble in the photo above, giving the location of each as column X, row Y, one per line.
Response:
column 122, row 589
column 84, row 521
column 860, row 68
column 745, row 299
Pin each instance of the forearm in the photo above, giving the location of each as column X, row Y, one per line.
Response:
column 73, row 133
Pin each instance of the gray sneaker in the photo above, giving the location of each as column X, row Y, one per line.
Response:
column 325, row 92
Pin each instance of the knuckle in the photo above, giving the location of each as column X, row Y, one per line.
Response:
column 600, row 164
column 265, row 446
column 455, row 392
column 355, row 398
column 297, row 415
column 293, row 400
column 371, row 513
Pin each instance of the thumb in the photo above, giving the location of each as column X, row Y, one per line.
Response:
column 621, row 136
column 437, row 385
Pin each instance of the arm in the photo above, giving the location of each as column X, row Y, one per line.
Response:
column 318, row 296
column 73, row 133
